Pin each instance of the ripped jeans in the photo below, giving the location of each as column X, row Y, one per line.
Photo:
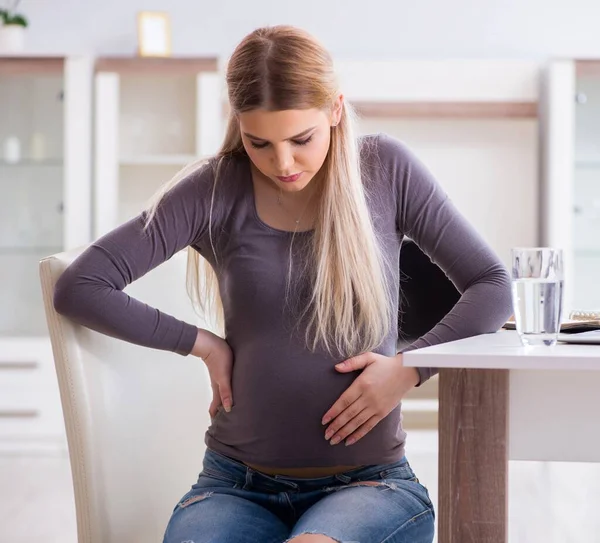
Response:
column 232, row 503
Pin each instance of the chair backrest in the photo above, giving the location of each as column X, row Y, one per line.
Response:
column 426, row 293
column 135, row 417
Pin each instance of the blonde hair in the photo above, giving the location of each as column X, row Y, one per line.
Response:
column 282, row 68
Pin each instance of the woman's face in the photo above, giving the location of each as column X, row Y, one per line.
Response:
column 288, row 147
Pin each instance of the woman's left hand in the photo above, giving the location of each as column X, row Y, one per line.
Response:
column 375, row 393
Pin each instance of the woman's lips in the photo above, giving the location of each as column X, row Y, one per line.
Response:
column 290, row 178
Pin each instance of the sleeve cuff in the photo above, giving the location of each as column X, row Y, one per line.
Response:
column 425, row 374
column 187, row 340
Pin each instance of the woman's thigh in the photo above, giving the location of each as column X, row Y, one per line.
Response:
column 223, row 518
column 390, row 511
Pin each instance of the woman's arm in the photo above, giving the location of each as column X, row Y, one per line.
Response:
column 90, row 291
column 426, row 215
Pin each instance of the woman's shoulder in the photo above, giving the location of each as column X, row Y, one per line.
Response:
column 383, row 149
column 230, row 169
column 207, row 194
column 219, row 179
column 388, row 161
column 383, row 161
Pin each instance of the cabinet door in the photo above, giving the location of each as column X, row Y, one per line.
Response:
column 586, row 187
column 32, row 181
column 572, row 176
column 45, row 176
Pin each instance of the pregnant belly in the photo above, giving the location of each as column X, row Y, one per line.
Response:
column 278, row 396
column 279, row 399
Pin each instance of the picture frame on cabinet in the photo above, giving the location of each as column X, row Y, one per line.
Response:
column 154, row 34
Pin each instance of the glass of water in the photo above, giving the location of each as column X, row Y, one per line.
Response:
column 537, row 294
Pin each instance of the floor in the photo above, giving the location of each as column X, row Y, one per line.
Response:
column 548, row 502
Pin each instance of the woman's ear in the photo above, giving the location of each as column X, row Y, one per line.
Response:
column 336, row 113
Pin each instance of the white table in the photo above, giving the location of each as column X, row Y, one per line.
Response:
column 500, row 401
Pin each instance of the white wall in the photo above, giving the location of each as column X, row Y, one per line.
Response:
column 488, row 168
column 354, row 28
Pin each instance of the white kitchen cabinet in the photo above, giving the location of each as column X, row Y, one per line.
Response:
column 152, row 118
column 572, row 176
column 45, row 176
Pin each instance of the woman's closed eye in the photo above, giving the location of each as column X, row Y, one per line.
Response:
column 295, row 142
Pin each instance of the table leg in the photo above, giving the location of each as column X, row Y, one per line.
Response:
column 473, row 456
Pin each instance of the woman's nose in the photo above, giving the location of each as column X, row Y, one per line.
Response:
column 284, row 161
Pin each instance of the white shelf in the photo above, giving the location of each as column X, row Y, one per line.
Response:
column 26, row 249
column 157, row 160
column 30, row 163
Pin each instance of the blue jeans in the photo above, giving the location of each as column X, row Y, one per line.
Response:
column 232, row 503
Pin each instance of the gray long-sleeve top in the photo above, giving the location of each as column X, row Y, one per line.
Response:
column 282, row 389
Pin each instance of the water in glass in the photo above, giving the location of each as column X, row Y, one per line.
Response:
column 537, row 306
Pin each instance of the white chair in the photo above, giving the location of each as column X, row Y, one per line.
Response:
column 135, row 417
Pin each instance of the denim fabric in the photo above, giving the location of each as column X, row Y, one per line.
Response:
column 232, row 503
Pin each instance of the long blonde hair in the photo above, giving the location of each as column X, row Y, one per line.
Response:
column 282, row 68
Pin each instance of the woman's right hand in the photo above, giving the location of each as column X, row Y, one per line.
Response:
column 218, row 357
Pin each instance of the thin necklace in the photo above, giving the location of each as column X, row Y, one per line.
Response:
column 280, row 202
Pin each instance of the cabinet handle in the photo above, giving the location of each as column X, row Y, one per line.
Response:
column 27, row 365
column 19, row 413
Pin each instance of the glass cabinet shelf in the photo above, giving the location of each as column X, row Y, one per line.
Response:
column 30, row 163
column 25, row 250
column 157, row 159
